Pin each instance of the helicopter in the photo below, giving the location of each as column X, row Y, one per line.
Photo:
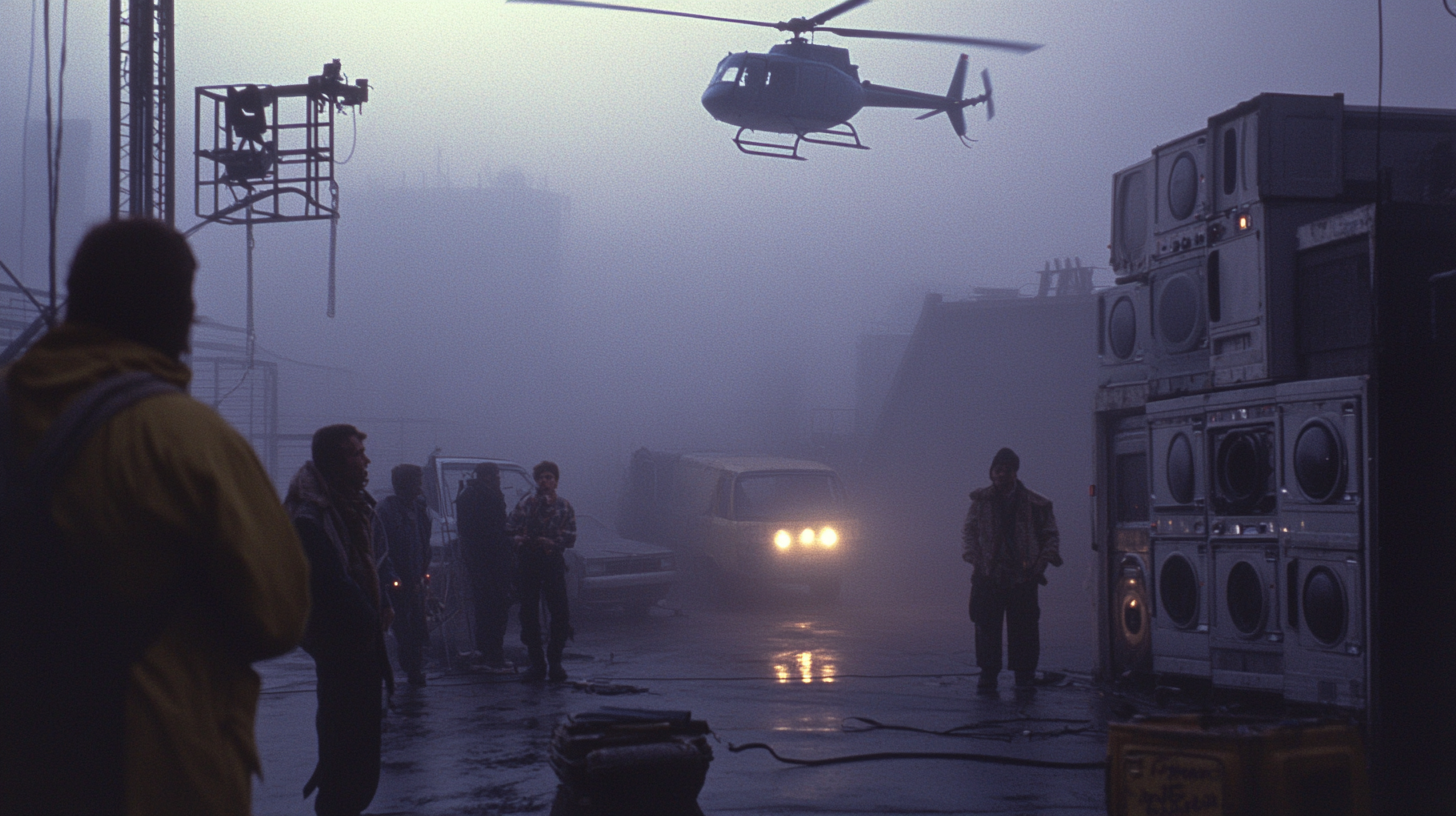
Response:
column 810, row 91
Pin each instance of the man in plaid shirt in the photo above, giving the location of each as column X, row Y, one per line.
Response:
column 544, row 525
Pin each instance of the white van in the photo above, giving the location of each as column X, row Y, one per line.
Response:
column 761, row 519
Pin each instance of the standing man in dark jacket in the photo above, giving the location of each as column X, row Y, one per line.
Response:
column 544, row 525
column 1010, row 538
column 407, row 526
column 490, row 559
column 334, row 517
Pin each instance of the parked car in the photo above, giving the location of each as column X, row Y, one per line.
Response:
column 603, row 568
column 749, row 519
column 608, row 570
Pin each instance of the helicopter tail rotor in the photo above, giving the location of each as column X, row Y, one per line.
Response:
column 990, row 103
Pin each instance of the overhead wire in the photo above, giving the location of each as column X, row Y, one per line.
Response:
column 25, row 135
column 55, row 136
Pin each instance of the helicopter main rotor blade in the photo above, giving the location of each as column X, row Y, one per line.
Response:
column 614, row 7
column 978, row 42
column 825, row 16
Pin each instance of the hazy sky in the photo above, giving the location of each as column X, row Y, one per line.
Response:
column 676, row 242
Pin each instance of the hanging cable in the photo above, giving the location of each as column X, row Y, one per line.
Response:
column 1379, row 93
column 25, row 136
column 251, row 336
column 353, row 140
column 333, row 239
column 50, row 167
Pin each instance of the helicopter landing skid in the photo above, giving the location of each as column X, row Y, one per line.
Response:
column 834, row 137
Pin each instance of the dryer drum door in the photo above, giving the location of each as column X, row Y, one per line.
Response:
column 1183, row 186
column 1244, row 594
column 1122, row 328
column 1325, row 605
column 1180, row 469
column 1319, row 461
column 1178, row 591
column 1178, row 319
column 1243, row 466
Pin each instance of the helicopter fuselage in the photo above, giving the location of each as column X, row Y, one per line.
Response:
column 796, row 88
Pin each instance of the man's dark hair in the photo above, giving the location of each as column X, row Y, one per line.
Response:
column 546, row 466
column 486, row 469
column 328, row 445
column 134, row 277
column 406, row 476
column 1007, row 457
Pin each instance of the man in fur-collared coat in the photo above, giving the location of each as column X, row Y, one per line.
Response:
column 334, row 517
column 1010, row 538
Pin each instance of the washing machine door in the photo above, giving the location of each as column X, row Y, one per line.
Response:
column 1243, row 471
column 1134, row 626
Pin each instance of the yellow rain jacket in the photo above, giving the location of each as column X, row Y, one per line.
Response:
column 166, row 495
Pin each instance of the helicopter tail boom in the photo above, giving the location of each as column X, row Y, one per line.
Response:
column 953, row 104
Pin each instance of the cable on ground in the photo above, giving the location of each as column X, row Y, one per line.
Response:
column 992, row 759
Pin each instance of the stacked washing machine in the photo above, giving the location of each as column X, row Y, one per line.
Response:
column 1238, row 342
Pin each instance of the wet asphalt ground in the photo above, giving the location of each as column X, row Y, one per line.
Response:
column 777, row 669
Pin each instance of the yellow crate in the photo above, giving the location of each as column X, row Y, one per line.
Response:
column 1211, row 766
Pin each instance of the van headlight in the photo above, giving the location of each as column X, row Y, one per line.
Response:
column 828, row 537
column 806, row 537
column 782, row 539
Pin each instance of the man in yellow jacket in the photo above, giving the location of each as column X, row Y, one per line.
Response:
column 164, row 517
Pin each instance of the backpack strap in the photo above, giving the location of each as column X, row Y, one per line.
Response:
column 64, row 438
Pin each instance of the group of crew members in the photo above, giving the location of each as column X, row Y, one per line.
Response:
column 148, row 563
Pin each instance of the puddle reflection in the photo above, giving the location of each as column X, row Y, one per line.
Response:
column 817, row 665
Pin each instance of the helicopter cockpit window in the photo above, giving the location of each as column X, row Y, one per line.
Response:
column 752, row 76
column 730, row 74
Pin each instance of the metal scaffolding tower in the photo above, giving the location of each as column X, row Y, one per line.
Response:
column 143, row 109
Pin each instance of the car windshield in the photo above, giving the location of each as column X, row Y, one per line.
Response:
column 786, row 496
column 514, row 483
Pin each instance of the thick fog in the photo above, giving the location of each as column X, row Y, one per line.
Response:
column 697, row 298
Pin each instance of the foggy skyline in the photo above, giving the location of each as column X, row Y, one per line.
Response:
column 696, row 280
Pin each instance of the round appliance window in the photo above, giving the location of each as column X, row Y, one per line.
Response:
column 1319, row 461
column 1245, row 594
column 1180, row 469
column 1179, row 312
column 1183, row 186
column 1325, row 610
column 1122, row 328
column 1133, row 224
column 1243, row 470
column 1132, row 617
column 1178, row 591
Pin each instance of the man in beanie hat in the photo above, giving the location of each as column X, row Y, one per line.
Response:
column 1010, row 538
